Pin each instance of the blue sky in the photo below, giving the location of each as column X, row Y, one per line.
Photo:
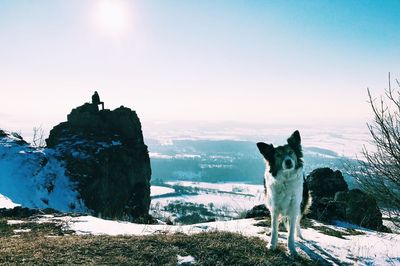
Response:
column 245, row 61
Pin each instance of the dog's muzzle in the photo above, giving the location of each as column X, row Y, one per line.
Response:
column 288, row 163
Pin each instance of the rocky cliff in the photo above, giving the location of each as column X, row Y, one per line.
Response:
column 104, row 153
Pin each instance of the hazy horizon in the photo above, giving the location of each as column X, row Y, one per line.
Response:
column 274, row 62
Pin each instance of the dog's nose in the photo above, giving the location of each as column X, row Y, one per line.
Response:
column 288, row 163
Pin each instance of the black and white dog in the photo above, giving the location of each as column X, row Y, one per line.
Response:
column 284, row 181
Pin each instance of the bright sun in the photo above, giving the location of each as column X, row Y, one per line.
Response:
column 111, row 15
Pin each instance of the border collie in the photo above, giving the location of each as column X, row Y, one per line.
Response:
column 284, row 180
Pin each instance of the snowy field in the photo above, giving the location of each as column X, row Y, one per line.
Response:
column 226, row 200
column 158, row 191
column 345, row 140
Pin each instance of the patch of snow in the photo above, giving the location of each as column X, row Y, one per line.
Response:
column 186, row 260
column 159, row 155
column 12, row 222
column 16, row 231
column 159, row 190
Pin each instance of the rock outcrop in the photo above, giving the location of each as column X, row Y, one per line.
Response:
column 258, row 211
column 323, row 184
column 105, row 155
column 332, row 200
column 360, row 208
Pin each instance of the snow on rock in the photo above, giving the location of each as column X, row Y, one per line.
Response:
column 7, row 203
column 368, row 248
column 34, row 178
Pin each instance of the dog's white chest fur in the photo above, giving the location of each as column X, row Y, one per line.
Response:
column 284, row 192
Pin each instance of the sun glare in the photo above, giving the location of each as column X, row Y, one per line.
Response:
column 111, row 15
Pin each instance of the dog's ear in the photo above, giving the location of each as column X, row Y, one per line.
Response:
column 294, row 140
column 267, row 150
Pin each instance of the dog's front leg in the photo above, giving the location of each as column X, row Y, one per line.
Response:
column 292, row 229
column 274, row 231
column 298, row 228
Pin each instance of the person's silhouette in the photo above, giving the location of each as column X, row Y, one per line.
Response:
column 96, row 100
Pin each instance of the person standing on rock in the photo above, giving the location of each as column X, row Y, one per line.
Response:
column 96, row 100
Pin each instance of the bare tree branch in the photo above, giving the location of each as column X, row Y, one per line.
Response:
column 38, row 137
column 378, row 173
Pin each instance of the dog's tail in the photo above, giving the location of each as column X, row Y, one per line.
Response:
column 307, row 200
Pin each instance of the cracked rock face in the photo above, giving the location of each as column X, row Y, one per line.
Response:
column 105, row 155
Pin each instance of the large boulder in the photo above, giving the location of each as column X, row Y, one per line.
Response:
column 332, row 200
column 105, row 155
column 361, row 208
column 323, row 184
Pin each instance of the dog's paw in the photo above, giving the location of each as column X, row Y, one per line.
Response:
column 293, row 252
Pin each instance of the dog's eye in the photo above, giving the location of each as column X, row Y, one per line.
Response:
column 291, row 152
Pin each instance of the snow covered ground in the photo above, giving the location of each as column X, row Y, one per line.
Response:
column 365, row 248
column 226, row 187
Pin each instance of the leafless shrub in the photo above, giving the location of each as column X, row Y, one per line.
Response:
column 378, row 172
